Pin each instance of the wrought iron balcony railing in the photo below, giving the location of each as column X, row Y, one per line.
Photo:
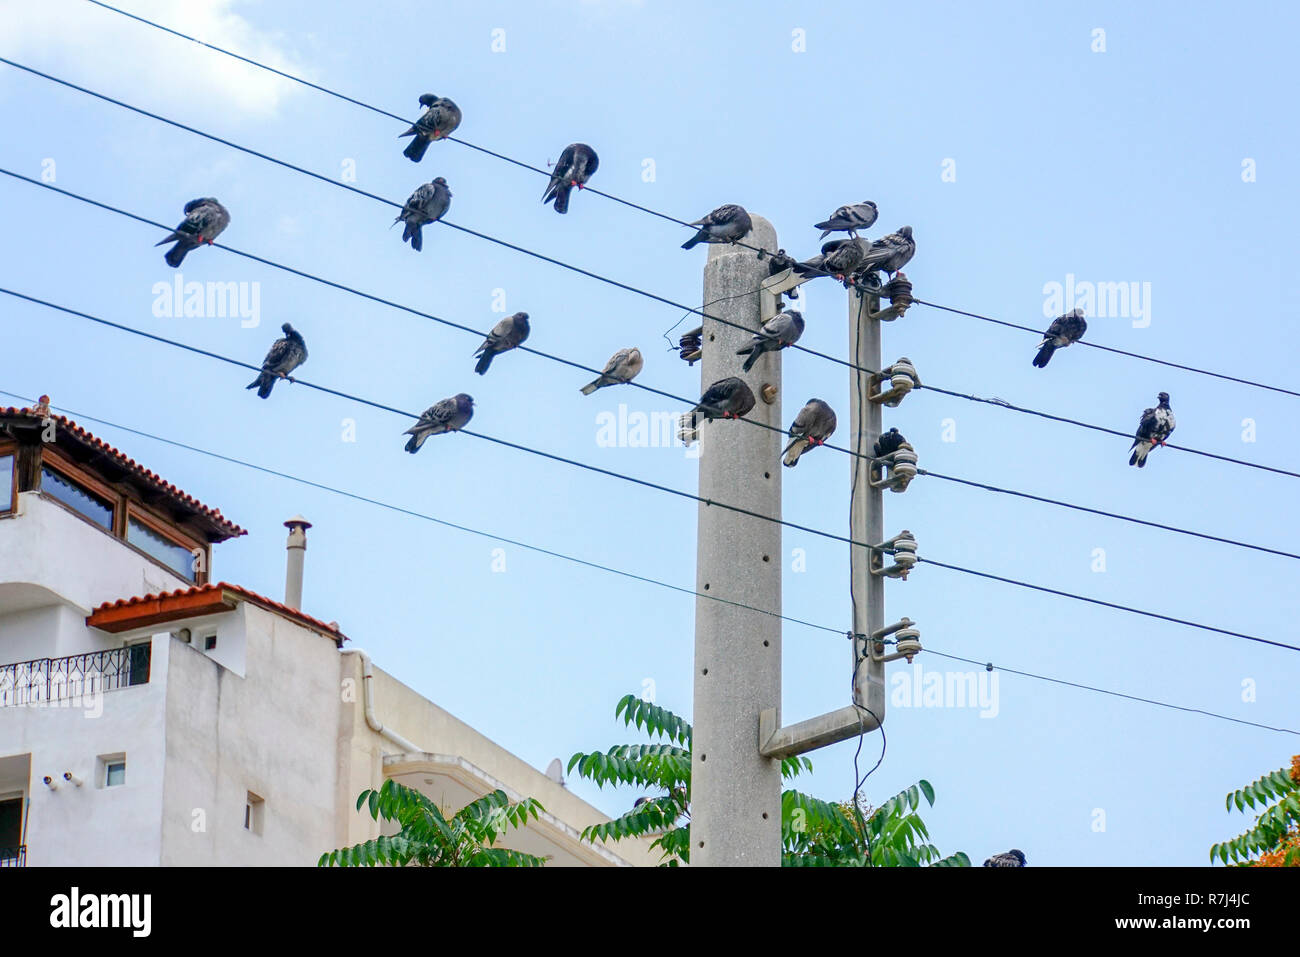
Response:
column 76, row 676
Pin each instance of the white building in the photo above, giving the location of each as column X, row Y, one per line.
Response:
column 151, row 717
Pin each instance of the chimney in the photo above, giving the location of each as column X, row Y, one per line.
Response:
column 297, row 548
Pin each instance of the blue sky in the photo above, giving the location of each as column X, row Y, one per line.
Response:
column 1117, row 166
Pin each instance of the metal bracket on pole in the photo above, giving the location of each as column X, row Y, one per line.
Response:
column 903, row 546
column 908, row 641
column 902, row 380
column 901, row 469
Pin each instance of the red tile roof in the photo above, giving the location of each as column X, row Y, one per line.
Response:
column 127, row 614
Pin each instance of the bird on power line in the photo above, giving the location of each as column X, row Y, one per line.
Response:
column 204, row 220
column 727, row 398
column 505, row 335
column 783, row 329
column 814, row 424
column 428, row 204
column 890, row 253
column 843, row 257
column 1154, row 428
column 284, row 356
column 622, row 366
column 850, row 219
column 1012, row 858
column 440, row 119
column 574, row 167
column 725, row 224
column 888, row 443
column 1063, row 331
column 446, row 415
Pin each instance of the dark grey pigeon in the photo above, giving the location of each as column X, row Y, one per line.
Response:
column 622, row 366
column 812, row 427
column 284, row 356
column 846, row 258
column 447, row 415
column 888, row 442
column 1154, row 428
column 505, row 335
column 204, row 220
column 783, row 329
column 575, row 166
column 725, row 224
column 891, row 253
column 428, row 204
column 850, row 219
column 440, row 119
column 1012, row 858
column 1063, row 331
column 727, row 398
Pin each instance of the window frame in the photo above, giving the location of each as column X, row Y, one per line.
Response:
column 69, row 472
column 163, row 529
column 10, row 448
column 109, row 765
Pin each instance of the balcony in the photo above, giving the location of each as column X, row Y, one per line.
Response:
column 76, row 676
column 13, row 856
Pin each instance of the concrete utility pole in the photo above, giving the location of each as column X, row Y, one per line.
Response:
column 735, row 789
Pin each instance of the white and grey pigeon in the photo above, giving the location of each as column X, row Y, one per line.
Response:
column 1063, row 331
column 428, row 204
column 505, row 335
column 446, row 415
column 1012, row 858
column 850, row 219
column 574, row 167
column 725, row 224
column 622, row 366
column 284, row 356
column 783, row 329
column 812, row 427
column 204, row 220
column 891, row 253
column 440, row 118
column 727, row 398
column 1154, row 428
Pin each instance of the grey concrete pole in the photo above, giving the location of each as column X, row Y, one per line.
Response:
column 735, row 791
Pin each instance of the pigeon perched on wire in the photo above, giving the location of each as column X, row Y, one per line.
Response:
column 850, row 219
column 428, row 204
column 783, row 329
column 1154, row 428
column 845, row 257
column 441, row 117
column 505, row 335
column 446, row 415
column 888, row 443
column 204, row 220
column 727, row 398
column 622, row 366
column 725, row 224
column 574, row 167
column 890, row 253
column 1063, row 331
column 284, row 356
column 812, row 427
column 1012, row 858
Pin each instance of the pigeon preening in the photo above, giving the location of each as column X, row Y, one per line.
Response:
column 505, row 335
column 850, row 219
column 622, row 366
column 1154, row 428
column 842, row 258
column 575, row 166
column 204, row 220
column 428, row 204
column 1063, row 331
column 441, row 117
column 1012, row 858
column 727, row 398
column 447, row 415
column 284, row 356
column 725, row 224
column 812, row 427
column 888, row 443
column 891, row 253
column 783, row 329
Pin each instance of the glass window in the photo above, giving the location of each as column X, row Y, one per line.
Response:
column 79, row 499
column 176, row 557
column 114, row 773
column 6, row 482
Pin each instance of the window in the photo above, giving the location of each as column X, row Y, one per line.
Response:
column 112, row 770
column 209, row 642
column 6, row 483
column 161, row 548
column 254, row 809
column 77, row 497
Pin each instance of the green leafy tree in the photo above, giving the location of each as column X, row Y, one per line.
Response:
column 1274, row 834
column 428, row 838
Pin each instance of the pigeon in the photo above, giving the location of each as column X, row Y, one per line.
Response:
column 575, row 166
column 1012, row 858
column 891, row 253
column 1063, row 331
column 1154, row 428
column 622, row 366
column 448, row 415
column 284, row 356
column 812, row 427
column 783, row 329
column 440, row 119
column 204, row 220
column 505, row 335
column 850, row 219
column 428, row 204
column 727, row 398
column 845, row 258
column 725, row 224
column 888, row 443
